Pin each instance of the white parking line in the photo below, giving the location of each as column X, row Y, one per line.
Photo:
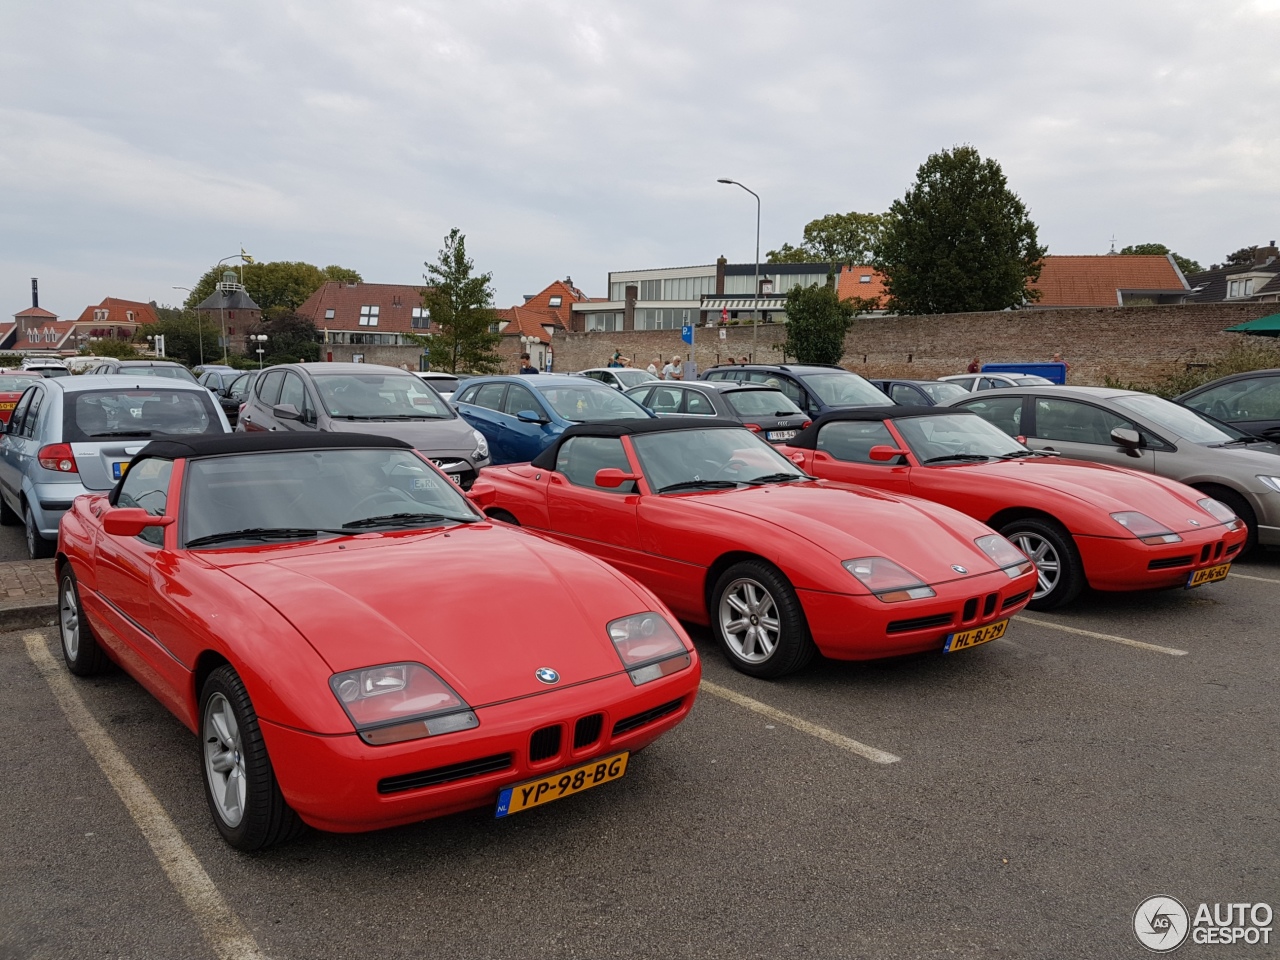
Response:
column 1241, row 576
column 222, row 928
column 1153, row 647
column 804, row 726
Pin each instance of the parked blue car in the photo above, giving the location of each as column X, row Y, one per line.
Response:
column 521, row 416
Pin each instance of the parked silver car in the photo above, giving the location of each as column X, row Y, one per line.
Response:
column 1140, row 431
column 76, row 435
column 366, row 398
column 145, row 368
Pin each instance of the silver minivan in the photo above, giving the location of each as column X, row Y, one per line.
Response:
column 366, row 398
column 76, row 435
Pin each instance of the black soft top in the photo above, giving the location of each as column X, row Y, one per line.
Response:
column 807, row 439
column 218, row 444
column 546, row 460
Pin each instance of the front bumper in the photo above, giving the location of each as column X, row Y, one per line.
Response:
column 1115, row 565
column 861, row 627
column 341, row 784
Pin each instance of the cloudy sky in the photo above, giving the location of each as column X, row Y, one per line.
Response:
column 143, row 140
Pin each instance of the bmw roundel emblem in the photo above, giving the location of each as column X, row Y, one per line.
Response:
column 547, row 675
column 959, row 569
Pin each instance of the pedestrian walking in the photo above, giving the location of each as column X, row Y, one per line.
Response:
column 674, row 370
column 655, row 366
column 525, row 365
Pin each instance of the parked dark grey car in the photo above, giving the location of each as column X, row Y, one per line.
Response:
column 366, row 398
column 814, row 388
column 763, row 410
column 1248, row 401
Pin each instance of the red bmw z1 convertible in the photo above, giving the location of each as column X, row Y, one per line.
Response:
column 1082, row 523
column 729, row 532
column 319, row 610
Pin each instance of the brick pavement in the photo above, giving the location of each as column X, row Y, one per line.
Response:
column 28, row 593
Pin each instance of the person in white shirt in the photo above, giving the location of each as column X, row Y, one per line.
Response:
column 673, row 370
column 655, row 366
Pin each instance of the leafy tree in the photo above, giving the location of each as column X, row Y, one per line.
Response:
column 836, row 238
column 111, row 347
column 817, row 321
column 290, row 338
column 183, row 331
column 461, row 309
column 1185, row 264
column 278, row 288
column 959, row 240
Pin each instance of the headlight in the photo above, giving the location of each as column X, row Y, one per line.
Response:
column 481, row 451
column 648, row 647
column 1272, row 482
column 400, row 701
column 888, row 581
column 1005, row 555
column 1220, row 512
column 1144, row 528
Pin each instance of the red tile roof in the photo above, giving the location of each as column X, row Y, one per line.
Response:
column 1094, row 281
column 37, row 312
column 850, row 285
column 118, row 312
column 521, row 321
column 395, row 303
column 568, row 294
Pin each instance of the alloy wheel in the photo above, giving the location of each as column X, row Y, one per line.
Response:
column 69, row 618
column 224, row 760
column 1048, row 564
column 749, row 620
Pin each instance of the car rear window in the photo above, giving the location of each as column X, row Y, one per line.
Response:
column 761, row 403
column 845, row 390
column 394, row 395
column 172, row 373
column 15, row 384
column 95, row 415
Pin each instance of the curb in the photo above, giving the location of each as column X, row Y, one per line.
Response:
column 26, row 617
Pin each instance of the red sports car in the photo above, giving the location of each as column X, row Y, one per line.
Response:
column 728, row 532
column 1082, row 523
column 12, row 384
column 319, row 610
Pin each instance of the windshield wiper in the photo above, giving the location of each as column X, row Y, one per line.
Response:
column 777, row 478
column 698, row 485
column 1247, row 439
column 1019, row 454
column 261, row 533
column 963, row 457
column 405, row 518
column 409, row 416
column 122, row 433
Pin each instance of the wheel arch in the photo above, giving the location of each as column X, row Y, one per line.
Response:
column 723, row 563
column 1009, row 514
column 207, row 662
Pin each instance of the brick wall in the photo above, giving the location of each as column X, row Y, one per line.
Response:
column 1138, row 344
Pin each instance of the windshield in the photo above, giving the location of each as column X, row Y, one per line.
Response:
column 394, row 395
column 590, row 401
column 952, row 434
column 301, row 494
column 171, row 373
column 942, row 392
column 710, row 458
column 837, row 389
column 633, row 378
column 1181, row 420
column 98, row 415
column 762, row 403
column 15, row 384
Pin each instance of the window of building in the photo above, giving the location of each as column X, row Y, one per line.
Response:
column 555, row 301
column 865, row 278
column 328, row 314
column 617, row 291
column 495, row 327
column 128, row 315
column 611, row 322
column 369, row 316
column 653, row 319
column 100, row 315
column 650, row 289
column 421, row 318
column 688, row 288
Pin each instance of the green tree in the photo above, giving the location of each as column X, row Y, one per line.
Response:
column 836, row 238
column 817, row 321
column 460, row 305
column 1185, row 264
column 278, row 288
column 959, row 240
column 182, row 331
column 290, row 338
column 111, row 347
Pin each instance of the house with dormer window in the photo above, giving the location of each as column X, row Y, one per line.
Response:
column 1256, row 282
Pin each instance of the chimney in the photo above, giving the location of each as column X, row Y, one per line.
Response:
column 35, row 292
column 720, row 265
column 1266, row 254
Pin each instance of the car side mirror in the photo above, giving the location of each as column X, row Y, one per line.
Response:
column 883, row 453
column 611, row 478
column 1129, row 439
column 131, row 521
column 529, row 416
column 482, row 493
column 285, row 411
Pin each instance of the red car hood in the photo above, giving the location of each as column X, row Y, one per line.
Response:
column 1109, row 489
column 851, row 522
column 483, row 606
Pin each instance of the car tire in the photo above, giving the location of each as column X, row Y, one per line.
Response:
column 7, row 517
column 1241, row 508
column 80, row 649
column 239, row 783
column 38, row 548
column 502, row 517
column 758, row 621
column 1053, row 551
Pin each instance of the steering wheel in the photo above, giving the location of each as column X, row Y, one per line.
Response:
column 1219, row 410
column 381, row 496
column 733, row 466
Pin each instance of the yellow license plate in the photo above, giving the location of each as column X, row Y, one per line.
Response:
column 1205, row 575
column 971, row 638
column 557, row 786
column 7, row 406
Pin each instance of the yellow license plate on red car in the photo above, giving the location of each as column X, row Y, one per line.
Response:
column 1199, row 578
column 971, row 638
column 7, row 406
column 564, row 783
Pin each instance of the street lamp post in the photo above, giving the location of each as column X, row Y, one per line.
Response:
column 199, row 327
column 222, row 313
column 259, row 338
column 755, row 282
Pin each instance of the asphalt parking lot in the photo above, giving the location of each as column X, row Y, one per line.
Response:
column 1045, row 784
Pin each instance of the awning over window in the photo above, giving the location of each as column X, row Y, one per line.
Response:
column 745, row 303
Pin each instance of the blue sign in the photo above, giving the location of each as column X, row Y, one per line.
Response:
column 686, row 333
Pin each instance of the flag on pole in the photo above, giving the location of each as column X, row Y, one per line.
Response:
column 245, row 257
